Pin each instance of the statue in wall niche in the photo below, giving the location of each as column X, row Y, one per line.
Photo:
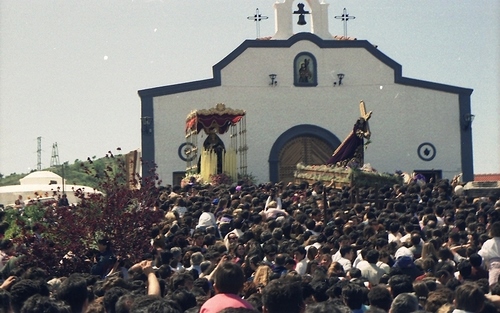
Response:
column 351, row 151
column 304, row 72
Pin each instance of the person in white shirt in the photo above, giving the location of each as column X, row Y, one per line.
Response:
column 394, row 234
column 490, row 252
column 347, row 254
column 369, row 268
column 383, row 261
column 195, row 260
column 299, row 255
column 180, row 207
column 344, row 241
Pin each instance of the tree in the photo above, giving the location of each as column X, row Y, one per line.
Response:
column 69, row 233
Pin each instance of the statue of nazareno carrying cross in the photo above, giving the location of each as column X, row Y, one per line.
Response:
column 351, row 150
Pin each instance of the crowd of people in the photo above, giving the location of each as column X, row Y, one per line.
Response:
column 417, row 247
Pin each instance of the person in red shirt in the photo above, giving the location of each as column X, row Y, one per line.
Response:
column 228, row 282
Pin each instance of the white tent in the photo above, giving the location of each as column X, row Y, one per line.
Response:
column 41, row 184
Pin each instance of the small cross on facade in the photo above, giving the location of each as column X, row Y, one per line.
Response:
column 345, row 18
column 257, row 17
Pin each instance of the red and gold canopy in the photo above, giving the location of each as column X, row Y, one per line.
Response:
column 217, row 119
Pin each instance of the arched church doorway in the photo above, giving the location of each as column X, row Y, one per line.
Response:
column 306, row 149
column 308, row 144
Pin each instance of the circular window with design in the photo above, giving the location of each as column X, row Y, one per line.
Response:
column 426, row 151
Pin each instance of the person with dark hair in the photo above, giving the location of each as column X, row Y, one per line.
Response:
column 400, row 284
column 228, row 282
column 416, row 244
column 421, row 291
column 44, row 304
column 438, row 298
column 22, row 290
column 299, row 255
column 320, row 287
column 352, row 296
column 184, row 298
column 124, row 303
column 142, row 302
column 153, row 285
column 347, row 255
column 73, row 291
column 283, row 295
column 464, row 271
column 104, row 260
column 323, row 307
column 404, row 303
column 6, row 251
column 111, row 297
column 353, row 274
column 343, row 241
column 4, row 301
column 478, row 271
column 380, row 297
column 163, row 305
column 469, row 298
column 369, row 268
column 490, row 252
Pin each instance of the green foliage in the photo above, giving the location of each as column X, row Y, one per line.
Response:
column 12, row 179
column 27, row 218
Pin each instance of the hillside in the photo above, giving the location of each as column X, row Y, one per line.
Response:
column 75, row 174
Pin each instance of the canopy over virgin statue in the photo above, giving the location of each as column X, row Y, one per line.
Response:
column 218, row 119
column 214, row 157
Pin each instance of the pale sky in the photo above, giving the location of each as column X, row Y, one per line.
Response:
column 70, row 69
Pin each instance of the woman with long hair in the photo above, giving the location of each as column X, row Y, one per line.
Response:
column 261, row 276
column 312, row 252
column 428, row 251
column 237, row 251
column 311, row 267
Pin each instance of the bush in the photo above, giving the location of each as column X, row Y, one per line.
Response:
column 124, row 215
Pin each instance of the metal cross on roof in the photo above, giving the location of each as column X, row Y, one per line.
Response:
column 345, row 18
column 257, row 17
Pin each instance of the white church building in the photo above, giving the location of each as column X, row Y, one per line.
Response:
column 303, row 101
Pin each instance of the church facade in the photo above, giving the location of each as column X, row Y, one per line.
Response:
column 301, row 93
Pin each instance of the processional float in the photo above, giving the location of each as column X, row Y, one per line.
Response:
column 212, row 157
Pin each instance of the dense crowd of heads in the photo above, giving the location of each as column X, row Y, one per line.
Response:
column 288, row 248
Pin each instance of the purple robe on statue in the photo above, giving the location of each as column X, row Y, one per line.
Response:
column 351, row 147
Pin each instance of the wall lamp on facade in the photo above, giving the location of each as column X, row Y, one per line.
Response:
column 147, row 125
column 340, row 76
column 273, row 82
column 467, row 121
